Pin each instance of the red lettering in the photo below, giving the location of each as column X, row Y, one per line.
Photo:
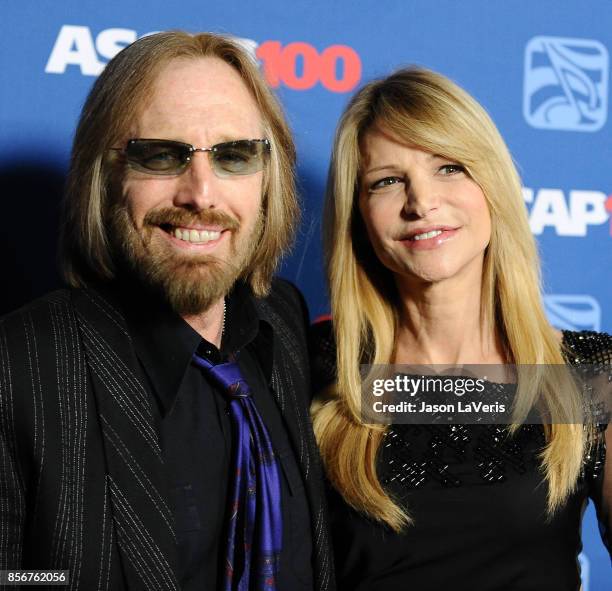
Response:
column 310, row 74
column 351, row 70
column 280, row 65
column 269, row 53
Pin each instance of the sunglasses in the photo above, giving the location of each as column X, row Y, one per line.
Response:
column 168, row 157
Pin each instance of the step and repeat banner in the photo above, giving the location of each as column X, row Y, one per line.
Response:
column 540, row 67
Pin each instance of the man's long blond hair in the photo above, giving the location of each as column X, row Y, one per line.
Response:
column 117, row 97
column 424, row 109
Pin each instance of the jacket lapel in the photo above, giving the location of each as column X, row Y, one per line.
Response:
column 291, row 388
column 134, row 465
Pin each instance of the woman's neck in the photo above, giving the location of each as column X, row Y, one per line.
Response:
column 442, row 323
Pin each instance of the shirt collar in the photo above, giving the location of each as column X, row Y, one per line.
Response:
column 164, row 343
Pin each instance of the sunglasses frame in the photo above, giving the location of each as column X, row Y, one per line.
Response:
column 191, row 149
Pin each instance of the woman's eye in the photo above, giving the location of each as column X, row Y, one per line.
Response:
column 383, row 184
column 448, row 169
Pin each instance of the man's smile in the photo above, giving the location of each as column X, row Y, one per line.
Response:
column 189, row 237
column 197, row 236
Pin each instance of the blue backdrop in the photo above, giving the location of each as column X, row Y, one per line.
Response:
column 540, row 67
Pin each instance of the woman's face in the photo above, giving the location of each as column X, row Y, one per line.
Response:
column 426, row 219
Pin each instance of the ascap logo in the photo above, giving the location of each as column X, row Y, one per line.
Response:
column 566, row 84
column 75, row 46
column 297, row 65
column 573, row 312
column 551, row 208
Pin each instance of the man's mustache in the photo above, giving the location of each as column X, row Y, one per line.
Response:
column 170, row 216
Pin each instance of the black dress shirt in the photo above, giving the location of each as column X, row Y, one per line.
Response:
column 196, row 437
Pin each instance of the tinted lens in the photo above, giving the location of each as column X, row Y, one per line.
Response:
column 239, row 157
column 158, row 156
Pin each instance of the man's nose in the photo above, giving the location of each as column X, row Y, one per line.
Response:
column 198, row 185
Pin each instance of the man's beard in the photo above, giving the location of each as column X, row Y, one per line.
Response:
column 189, row 283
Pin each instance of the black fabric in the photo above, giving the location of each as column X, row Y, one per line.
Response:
column 83, row 484
column 196, row 437
column 478, row 500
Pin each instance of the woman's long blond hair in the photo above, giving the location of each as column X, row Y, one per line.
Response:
column 425, row 109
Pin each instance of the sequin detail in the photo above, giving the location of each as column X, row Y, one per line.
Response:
column 413, row 456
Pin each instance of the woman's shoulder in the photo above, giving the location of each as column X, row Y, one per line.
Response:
column 322, row 331
column 592, row 352
column 587, row 346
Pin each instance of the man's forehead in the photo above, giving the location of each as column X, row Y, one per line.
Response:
column 205, row 91
column 200, row 79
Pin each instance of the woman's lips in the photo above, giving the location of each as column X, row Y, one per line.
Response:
column 428, row 238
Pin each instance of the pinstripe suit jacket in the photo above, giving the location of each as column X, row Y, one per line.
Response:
column 81, row 470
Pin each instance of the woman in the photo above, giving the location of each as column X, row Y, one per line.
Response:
column 431, row 261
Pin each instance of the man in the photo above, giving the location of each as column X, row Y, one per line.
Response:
column 153, row 417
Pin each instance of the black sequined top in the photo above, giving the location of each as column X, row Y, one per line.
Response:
column 478, row 500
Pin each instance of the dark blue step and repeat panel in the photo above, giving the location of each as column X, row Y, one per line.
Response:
column 540, row 67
